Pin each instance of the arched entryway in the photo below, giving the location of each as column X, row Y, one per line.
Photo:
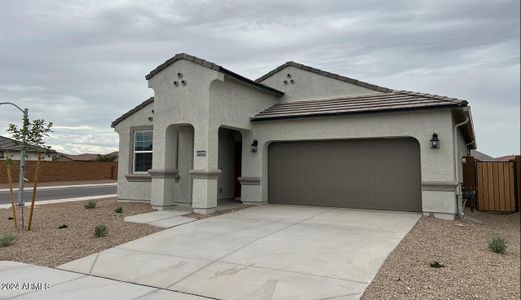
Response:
column 229, row 162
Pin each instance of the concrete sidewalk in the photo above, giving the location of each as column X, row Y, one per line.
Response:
column 24, row 281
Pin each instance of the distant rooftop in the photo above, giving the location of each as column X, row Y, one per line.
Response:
column 8, row 144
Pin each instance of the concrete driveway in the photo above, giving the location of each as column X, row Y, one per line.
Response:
column 265, row 252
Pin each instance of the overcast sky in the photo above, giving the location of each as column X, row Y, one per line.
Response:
column 81, row 64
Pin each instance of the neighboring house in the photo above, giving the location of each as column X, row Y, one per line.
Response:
column 10, row 149
column 78, row 157
column 86, row 156
column 481, row 156
column 297, row 135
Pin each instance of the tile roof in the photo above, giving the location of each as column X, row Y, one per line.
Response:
column 481, row 156
column 11, row 145
column 390, row 101
column 215, row 67
column 82, row 157
column 132, row 111
column 506, row 158
column 326, row 74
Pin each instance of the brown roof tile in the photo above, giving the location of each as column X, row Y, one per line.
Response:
column 396, row 100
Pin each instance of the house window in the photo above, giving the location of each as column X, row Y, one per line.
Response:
column 142, row 151
column 1, row 154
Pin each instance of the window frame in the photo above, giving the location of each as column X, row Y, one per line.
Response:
column 134, row 152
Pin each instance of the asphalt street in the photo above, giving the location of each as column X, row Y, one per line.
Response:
column 61, row 193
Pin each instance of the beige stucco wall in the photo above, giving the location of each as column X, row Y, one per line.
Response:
column 308, row 85
column 135, row 190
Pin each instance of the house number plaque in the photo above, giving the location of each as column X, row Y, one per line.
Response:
column 201, row 153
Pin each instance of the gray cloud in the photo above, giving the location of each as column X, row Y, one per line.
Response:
column 81, row 64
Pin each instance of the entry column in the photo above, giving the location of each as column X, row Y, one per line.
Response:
column 164, row 170
column 205, row 172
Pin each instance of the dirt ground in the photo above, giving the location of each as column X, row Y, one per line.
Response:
column 471, row 271
column 46, row 245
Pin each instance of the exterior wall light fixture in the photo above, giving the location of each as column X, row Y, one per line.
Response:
column 254, row 146
column 435, row 142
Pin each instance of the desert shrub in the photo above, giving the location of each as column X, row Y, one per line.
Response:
column 90, row 204
column 437, row 265
column 100, row 230
column 498, row 244
column 7, row 239
column 118, row 210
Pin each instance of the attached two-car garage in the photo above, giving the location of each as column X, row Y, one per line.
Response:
column 361, row 173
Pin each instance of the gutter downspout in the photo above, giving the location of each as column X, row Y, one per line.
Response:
column 468, row 144
column 456, row 162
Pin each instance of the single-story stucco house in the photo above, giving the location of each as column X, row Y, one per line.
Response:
column 10, row 149
column 297, row 135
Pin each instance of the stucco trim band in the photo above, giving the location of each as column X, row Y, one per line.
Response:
column 249, row 180
column 138, row 178
column 163, row 173
column 205, row 174
column 439, row 186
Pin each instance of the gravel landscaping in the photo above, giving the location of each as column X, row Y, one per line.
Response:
column 46, row 245
column 471, row 270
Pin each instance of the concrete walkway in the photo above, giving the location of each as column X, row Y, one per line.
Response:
column 265, row 252
column 23, row 281
column 162, row 218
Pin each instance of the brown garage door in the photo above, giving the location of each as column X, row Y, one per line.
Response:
column 372, row 173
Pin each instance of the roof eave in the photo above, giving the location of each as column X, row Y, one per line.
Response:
column 214, row 67
column 329, row 114
column 326, row 74
column 132, row 111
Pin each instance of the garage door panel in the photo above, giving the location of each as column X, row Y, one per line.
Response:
column 376, row 173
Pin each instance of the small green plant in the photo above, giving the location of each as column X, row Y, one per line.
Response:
column 437, row 265
column 498, row 244
column 119, row 210
column 100, row 231
column 90, row 204
column 7, row 239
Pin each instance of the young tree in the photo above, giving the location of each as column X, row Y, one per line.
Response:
column 34, row 132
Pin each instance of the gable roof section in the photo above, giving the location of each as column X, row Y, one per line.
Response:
column 215, row 67
column 324, row 73
column 132, row 111
column 11, row 145
column 390, row 101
